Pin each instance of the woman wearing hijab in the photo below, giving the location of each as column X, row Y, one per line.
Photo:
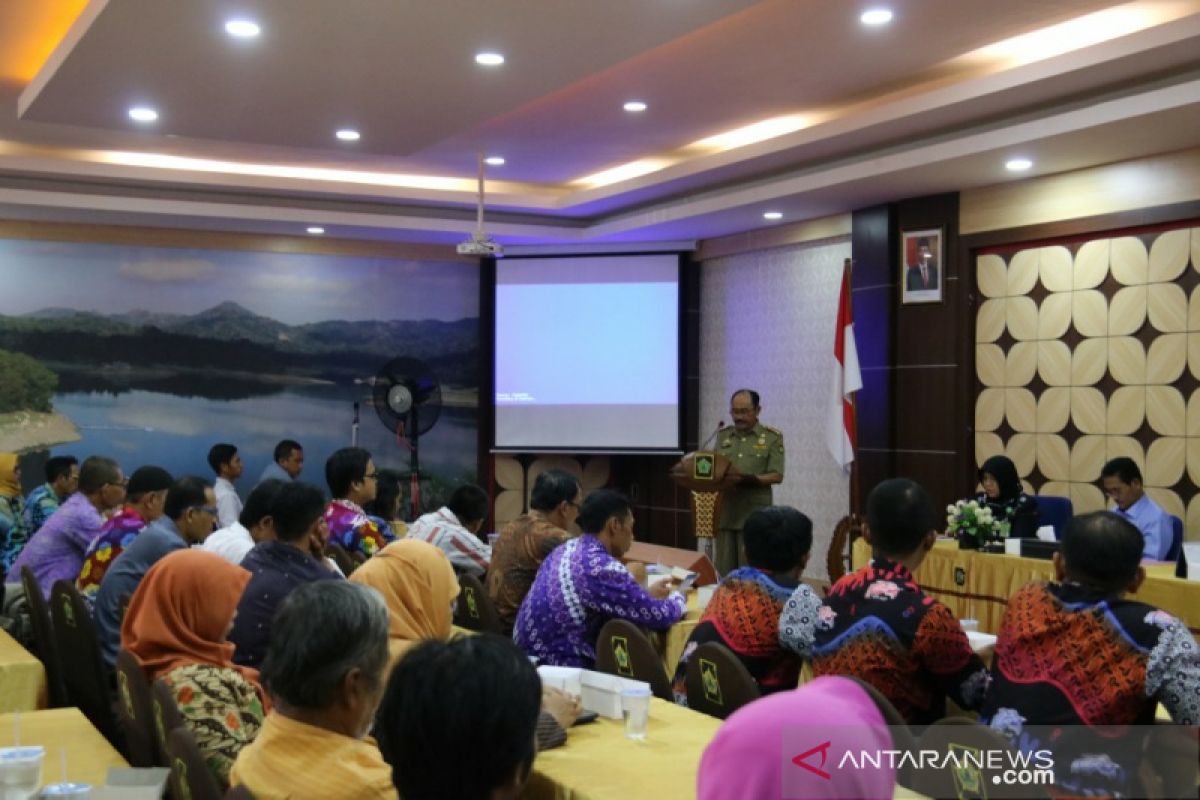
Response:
column 13, row 533
column 176, row 627
column 743, row 759
column 1002, row 493
column 419, row 588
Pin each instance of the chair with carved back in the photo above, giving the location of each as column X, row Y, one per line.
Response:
column 717, row 681
column 623, row 649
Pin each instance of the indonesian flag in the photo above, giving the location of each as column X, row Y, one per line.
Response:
column 840, row 434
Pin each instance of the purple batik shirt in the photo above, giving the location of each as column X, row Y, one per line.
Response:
column 578, row 588
column 56, row 551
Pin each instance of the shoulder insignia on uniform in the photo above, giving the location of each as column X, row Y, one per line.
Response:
column 775, row 431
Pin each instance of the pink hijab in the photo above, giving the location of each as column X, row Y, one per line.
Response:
column 751, row 755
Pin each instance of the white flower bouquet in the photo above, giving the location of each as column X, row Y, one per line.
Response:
column 973, row 524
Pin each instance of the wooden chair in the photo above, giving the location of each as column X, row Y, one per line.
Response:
column 961, row 734
column 44, row 641
column 134, row 711
column 191, row 777
column 718, row 683
column 166, row 716
column 474, row 610
column 623, row 649
column 86, row 676
column 341, row 558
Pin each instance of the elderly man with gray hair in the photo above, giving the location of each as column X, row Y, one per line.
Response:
column 325, row 672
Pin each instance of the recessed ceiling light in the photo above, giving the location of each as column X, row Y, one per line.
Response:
column 315, row 230
column 635, row 106
column 143, row 114
column 489, row 59
column 773, row 215
column 494, row 161
column 242, row 28
column 348, row 135
column 876, row 16
column 1018, row 164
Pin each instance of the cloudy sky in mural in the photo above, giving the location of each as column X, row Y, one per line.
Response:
column 292, row 288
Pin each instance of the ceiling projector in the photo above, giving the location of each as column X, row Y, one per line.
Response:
column 479, row 245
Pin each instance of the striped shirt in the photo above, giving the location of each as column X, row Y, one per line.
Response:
column 442, row 529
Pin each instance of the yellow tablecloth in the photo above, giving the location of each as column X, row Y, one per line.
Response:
column 599, row 762
column 22, row 677
column 977, row 585
column 675, row 638
column 89, row 755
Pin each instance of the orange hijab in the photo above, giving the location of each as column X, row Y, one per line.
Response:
column 418, row 585
column 9, row 485
column 181, row 611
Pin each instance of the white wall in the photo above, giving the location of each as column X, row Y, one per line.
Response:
column 767, row 323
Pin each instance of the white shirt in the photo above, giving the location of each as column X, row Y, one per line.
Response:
column 231, row 544
column 443, row 530
column 229, row 505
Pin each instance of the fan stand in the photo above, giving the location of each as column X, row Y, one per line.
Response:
column 414, row 467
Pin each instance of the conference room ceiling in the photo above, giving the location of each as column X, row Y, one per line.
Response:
column 792, row 106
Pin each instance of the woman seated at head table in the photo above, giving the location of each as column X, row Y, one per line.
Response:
column 176, row 627
column 743, row 759
column 1003, row 494
column 419, row 588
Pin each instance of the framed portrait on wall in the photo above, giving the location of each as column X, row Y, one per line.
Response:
column 922, row 257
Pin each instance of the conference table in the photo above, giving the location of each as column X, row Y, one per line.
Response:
column 88, row 754
column 22, row 677
column 975, row 585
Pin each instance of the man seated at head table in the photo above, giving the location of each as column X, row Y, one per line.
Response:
column 583, row 585
column 1122, row 482
column 454, row 529
column 877, row 625
column 325, row 672
column 496, row 694
column 525, row 542
column 744, row 611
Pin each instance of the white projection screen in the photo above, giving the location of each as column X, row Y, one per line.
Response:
column 587, row 354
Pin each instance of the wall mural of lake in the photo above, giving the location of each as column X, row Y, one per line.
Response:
column 161, row 352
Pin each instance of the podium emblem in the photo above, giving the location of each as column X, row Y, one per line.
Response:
column 703, row 467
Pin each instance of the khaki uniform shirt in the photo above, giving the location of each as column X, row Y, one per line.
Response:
column 756, row 452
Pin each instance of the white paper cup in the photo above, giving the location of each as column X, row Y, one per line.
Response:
column 1012, row 547
column 21, row 771
column 969, row 624
column 635, row 705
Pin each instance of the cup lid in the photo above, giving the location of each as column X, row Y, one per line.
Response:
column 21, row 753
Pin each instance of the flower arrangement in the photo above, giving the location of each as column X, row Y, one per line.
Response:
column 973, row 524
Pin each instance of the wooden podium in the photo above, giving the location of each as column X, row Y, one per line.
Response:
column 706, row 475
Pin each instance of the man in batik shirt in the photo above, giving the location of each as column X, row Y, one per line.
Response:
column 144, row 499
column 353, row 480
column 877, row 625
column 62, row 480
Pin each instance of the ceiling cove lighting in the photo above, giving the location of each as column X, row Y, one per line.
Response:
column 773, row 215
column 242, row 28
column 143, row 114
column 489, row 59
column 315, row 230
column 876, row 16
column 494, row 161
column 635, row 106
column 348, row 135
column 1018, row 164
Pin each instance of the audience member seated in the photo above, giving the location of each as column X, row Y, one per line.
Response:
column 418, row 587
column 295, row 557
column 495, row 694
column 254, row 525
column 1004, row 495
column 744, row 611
column 525, row 542
column 743, row 759
column 189, row 513
column 145, row 497
column 453, row 529
column 55, row 553
column 286, row 464
column 14, row 532
column 62, row 481
column 351, row 476
column 385, row 508
column 1122, row 481
column 227, row 466
column 582, row 585
column 325, row 672
column 1077, row 652
column 175, row 628
column 877, row 625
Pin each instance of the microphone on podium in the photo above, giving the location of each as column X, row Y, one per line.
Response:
column 713, row 435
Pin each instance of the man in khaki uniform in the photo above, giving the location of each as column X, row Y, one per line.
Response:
column 757, row 452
